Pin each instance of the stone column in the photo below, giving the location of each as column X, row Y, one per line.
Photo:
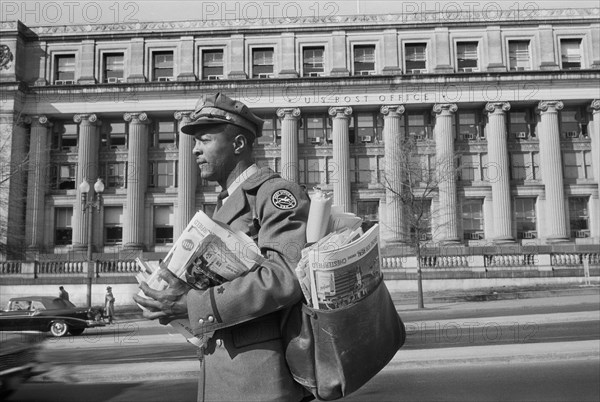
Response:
column 86, row 62
column 391, row 62
column 443, row 64
column 136, row 61
column 494, row 42
column 445, row 167
column 288, row 56
column 594, row 133
column 546, row 50
column 37, row 184
column 87, row 169
column 338, row 65
column 498, row 170
column 552, row 175
column 289, row 142
column 394, row 178
column 341, row 156
column 137, row 172
column 185, row 59
column 187, row 172
column 236, row 60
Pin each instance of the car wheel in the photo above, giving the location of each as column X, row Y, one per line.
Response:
column 58, row 328
column 76, row 331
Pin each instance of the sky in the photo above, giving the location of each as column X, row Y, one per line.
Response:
column 33, row 13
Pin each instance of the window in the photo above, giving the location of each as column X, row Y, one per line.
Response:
column 472, row 219
column 113, row 67
column 570, row 54
column 115, row 175
column 573, row 122
column 63, row 230
column 418, row 125
column 164, row 134
column 469, row 167
column 262, row 63
column 577, row 165
column 525, row 218
column 420, row 225
column 64, row 136
column 63, row 176
column 579, row 217
column 466, row 57
column 366, row 170
column 113, row 225
column 365, row 128
column 163, row 224
column 212, row 64
column 114, row 134
column 369, row 212
column 162, row 174
column 518, row 55
column 415, row 55
column 525, row 166
column 469, row 125
column 312, row 170
column 521, row 125
column 64, row 66
column 317, row 128
column 313, row 61
column 364, row 59
column 162, row 66
column 271, row 128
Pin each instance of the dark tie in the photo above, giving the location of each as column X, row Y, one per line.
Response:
column 222, row 195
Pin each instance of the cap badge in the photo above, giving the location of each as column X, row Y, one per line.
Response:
column 283, row 199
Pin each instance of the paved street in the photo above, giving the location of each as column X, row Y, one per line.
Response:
column 496, row 350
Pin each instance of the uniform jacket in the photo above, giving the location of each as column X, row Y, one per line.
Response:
column 245, row 359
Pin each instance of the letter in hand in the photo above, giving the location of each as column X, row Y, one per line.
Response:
column 167, row 304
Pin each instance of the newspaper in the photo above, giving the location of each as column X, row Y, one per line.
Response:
column 206, row 254
column 342, row 274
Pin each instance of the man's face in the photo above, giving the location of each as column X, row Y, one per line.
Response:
column 214, row 152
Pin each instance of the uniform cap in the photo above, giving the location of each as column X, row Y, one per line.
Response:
column 221, row 109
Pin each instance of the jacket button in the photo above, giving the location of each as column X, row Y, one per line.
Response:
column 219, row 343
column 201, row 321
column 211, row 318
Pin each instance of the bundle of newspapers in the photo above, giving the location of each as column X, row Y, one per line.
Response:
column 338, row 268
column 207, row 254
column 342, row 265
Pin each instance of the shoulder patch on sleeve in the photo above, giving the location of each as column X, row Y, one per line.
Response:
column 284, row 199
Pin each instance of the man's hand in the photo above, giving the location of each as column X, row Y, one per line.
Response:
column 167, row 304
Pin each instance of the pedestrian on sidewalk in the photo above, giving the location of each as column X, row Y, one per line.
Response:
column 62, row 293
column 109, row 305
column 245, row 358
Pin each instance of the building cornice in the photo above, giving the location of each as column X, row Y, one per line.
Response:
column 343, row 22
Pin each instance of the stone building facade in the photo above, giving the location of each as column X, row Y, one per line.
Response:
column 514, row 103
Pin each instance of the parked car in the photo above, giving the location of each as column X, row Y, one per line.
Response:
column 19, row 360
column 49, row 313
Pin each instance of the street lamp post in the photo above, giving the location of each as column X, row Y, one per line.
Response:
column 87, row 205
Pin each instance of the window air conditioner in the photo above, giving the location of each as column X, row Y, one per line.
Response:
column 530, row 234
column 521, row 134
column 580, row 234
column 520, row 68
column 366, row 138
column 316, row 140
column 215, row 77
column 469, row 136
column 366, row 72
column 315, row 74
column 64, row 82
column 265, row 75
column 112, row 80
column 165, row 78
column 469, row 69
column 571, row 134
column 67, row 149
column 475, row 236
column 418, row 71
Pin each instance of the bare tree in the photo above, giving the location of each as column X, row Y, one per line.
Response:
column 419, row 176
